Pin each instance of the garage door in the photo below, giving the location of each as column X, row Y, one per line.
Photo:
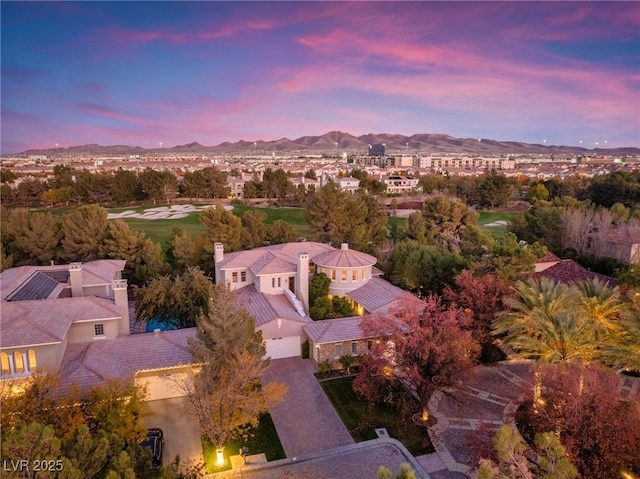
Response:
column 283, row 347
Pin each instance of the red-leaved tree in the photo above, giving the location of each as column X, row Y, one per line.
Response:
column 422, row 345
column 598, row 426
column 482, row 295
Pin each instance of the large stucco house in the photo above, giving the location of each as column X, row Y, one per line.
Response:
column 273, row 283
column 74, row 320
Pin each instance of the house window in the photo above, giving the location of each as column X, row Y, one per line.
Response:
column 6, row 367
column 364, row 273
column 338, row 350
column 18, row 362
column 343, row 275
column 354, row 348
column 234, row 277
column 354, row 275
column 279, row 283
column 333, row 274
column 243, row 276
column 98, row 329
column 31, row 356
column 273, row 283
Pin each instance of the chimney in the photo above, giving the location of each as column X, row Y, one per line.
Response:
column 218, row 256
column 218, row 252
column 75, row 278
column 302, row 280
column 344, row 246
column 121, row 299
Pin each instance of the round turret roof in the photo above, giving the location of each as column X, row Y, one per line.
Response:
column 345, row 258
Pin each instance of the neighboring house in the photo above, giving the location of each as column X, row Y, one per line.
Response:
column 236, row 186
column 401, row 184
column 546, row 261
column 622, row 244
column 348, row 184
column 74, row 320
column 568, row 271
column 273, row 284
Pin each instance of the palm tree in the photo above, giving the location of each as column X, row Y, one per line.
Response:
column 601, row 303
column 546, row 323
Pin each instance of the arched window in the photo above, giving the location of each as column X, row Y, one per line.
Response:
column 31, row 355
column 6, row 367
column 18, row 362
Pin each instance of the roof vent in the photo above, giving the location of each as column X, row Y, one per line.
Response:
column 156, row 332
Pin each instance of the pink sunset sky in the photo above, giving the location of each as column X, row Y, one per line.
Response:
column 145, row 73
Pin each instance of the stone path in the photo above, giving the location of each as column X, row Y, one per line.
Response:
column 306, row 421
column 469, row 417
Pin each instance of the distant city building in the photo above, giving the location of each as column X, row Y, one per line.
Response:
column 468, row 163
column 377, row 149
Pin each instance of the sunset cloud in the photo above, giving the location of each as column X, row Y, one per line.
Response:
column 175, row 72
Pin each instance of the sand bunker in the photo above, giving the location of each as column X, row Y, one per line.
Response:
column 173, row 212
column 498, row 223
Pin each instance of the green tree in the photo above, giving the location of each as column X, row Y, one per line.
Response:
column 206, row 183
column 222, row 226
column 31, row 238
column 339, row 218
column 84, row 233
column 158, row 185
column 126, row 186
column 183, row 250
column 225, row 391
column 538, row 192
column 446, row 220
column 280, row 232
column 254, row 231
column 176, row 301
column 145, row 258
column 422, row 268
column 551, row 461
column 494, row 189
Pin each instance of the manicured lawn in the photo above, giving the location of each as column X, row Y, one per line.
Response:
column 160, row 230
column 487, row 217
column 361, row 418
column 264, row 439
column 293, row 216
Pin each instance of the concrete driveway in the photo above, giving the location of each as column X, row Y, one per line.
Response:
column 181, row 430
column 305, row 420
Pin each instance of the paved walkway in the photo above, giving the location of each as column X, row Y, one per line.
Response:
column 306, row 421
column 467, row 419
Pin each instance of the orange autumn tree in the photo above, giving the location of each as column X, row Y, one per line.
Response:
column 422, row 346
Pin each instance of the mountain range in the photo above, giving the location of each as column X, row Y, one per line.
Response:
column 338, row 141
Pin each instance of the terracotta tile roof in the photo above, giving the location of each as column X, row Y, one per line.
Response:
column 334, row 330
column 101, row 271
column 347, row 258
column 25, row 323
column 568, row 271
column 89, row 364
column 377, row 294
column 267, row 307
column 286, row 251
column 549, row 258
column 272, row 264
column 96, row 272
column 341, row 329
